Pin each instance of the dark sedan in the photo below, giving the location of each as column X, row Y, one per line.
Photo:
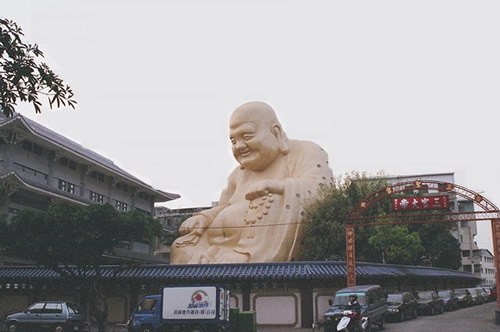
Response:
column 429, row 302
column 401, row 306
column 450, row 299
column 477, row 295
column 464, row 297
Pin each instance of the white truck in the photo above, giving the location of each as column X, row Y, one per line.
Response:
column 203, row 308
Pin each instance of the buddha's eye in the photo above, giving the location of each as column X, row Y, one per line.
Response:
column 247, row 137
column 233, row 141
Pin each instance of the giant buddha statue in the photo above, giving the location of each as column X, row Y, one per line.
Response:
column 259, row 217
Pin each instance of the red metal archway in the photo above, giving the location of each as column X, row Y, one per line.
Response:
column 424, row 188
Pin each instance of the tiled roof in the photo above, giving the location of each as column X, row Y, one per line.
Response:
column 45, row 133
column 240, row 272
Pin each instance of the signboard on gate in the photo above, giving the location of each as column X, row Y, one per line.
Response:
column 420, row 203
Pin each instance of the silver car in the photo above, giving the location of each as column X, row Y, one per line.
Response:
column 52, row 316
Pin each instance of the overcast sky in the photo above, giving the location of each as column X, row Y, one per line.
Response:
column 404, row 87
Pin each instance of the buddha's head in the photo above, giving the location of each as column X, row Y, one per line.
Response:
column 256, row 136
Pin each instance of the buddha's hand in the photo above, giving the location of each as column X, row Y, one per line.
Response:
column 264, row 187
column 196, row 224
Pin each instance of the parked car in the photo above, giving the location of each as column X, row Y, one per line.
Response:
column 401, row 306
column 372, row 301
column 464, row 297
column 492, row 293
column 54, row 316
column 477, row 295
column 429, row 302
column 450, row 299
column 486, row 295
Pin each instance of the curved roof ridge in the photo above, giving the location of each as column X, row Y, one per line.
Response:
column 64, row 142
column 240, row 271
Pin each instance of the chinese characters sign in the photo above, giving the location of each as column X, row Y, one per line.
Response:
column 189, row 302
column 351, row 257
column 420, row 203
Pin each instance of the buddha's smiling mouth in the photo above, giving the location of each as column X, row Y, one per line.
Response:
column 245, row 153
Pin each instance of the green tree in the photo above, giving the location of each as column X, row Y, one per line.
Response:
column 441, row 248
column 325, row 231
column 22, row 77
column 420, row 244
column 73, row 239
column 396, row 244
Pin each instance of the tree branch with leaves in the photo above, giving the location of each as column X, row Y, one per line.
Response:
column 23, row 78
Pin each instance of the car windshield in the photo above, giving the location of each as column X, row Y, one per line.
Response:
column 394, row 298
column 74, row 309
column 444, row 293
column 424, row 295
column 460, row 291
column 342, row 299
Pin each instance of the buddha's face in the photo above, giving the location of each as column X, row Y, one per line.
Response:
column 254, row 145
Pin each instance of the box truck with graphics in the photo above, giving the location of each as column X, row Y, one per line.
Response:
column 203, row 308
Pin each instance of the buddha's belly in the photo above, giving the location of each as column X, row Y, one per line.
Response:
column 227, row 227
column 230, row 223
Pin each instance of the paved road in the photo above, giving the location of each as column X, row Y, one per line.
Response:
column 478, row 318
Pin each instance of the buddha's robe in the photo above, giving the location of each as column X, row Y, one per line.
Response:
column 268, row 228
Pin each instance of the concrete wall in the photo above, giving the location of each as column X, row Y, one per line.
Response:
column 277, row 307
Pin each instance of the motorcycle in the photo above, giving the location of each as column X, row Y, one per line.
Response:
column 347, row 322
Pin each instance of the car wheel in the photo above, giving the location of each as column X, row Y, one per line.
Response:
column 381, row 324
column 13, row 327
column 86, row 327
column 368, row 326
column 197, row 328
column 58, row 328
column 147, row 329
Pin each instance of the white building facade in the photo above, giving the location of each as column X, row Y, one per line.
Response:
column 488, row 270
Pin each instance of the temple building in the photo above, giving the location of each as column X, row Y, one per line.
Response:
column 39, row 166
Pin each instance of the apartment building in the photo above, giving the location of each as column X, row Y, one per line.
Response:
column 39, row 166
column 488, row 270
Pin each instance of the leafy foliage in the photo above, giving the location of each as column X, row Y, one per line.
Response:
column 73, row 240
column 70, row 234
column 325, row 231
column 421, row 244
column 22, row 77
column 396, row 244
column 441, row 248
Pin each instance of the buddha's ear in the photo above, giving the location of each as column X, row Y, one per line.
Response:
column 281, row 137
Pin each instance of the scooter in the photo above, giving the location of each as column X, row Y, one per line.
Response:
column 348, row 316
